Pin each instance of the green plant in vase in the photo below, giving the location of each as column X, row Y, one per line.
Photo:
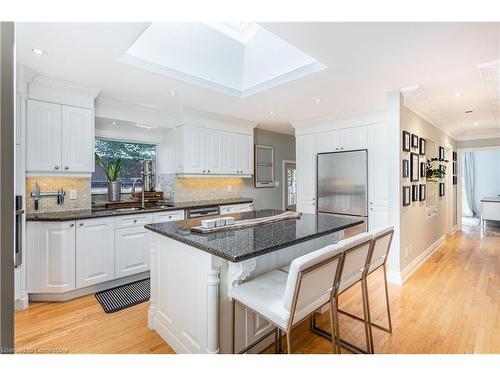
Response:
column 112, row 171
column 434, row 174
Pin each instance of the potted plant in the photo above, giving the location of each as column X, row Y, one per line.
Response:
column 112, row 171
column 434, row 174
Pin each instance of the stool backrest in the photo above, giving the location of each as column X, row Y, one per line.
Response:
column 382, row 239
column 356, row 258
column 311, row 277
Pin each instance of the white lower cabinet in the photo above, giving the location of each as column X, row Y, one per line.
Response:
column 132, row 251
column 50, row 257
column 236, row 208
column 163, row 217
column 95, row 251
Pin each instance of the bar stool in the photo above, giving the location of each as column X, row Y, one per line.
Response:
column 381, row 244
column 286, row 300
column 357, row 251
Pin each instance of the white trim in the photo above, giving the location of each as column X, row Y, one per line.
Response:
column 283, row 181
column 400, row 277
column 184, row 175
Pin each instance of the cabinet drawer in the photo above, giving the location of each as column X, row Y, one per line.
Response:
column 236, row 208
column 133, row 220
column 163, row 217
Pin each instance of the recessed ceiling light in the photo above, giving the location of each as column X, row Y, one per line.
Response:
column 476, row 123
column 172, row 93
column 317, row 100
column 457, row 95
column 271, row 113
column 114, row 122
column 39, row 51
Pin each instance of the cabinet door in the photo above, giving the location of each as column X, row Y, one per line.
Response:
column 195, row 150
column 132, row 251
column 378, row 217
column 94, row 251
column 213, row 151
column 328, row 141
column 353, row 139
column 306, row 173
column 378, row 158
column 245, row 154
column 77, row 139
column 43, row 137
column 229, row 153
column 56, row 245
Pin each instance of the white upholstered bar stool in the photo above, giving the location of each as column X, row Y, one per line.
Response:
column 357, row 251
column 381, row 244
column 286, row 300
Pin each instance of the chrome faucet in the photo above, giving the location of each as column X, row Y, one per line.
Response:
column 142, row 190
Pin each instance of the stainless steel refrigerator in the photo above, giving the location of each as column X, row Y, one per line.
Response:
column 343, row 184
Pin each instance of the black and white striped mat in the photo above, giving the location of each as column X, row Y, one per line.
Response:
column 123, row 296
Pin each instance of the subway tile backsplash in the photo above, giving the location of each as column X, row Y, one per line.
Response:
column 53, row 184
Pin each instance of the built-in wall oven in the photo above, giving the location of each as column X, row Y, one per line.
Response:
column 18, row 248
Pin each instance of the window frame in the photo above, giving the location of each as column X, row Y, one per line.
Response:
column 125, row 140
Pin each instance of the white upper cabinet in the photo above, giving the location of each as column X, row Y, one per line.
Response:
column 59, row 138
column 77, row 139
column 43, row 137
column 342, row 140
column 378, row 159
column 203, row 151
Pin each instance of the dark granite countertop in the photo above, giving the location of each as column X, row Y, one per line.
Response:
column 94, row 214
column 236, row 245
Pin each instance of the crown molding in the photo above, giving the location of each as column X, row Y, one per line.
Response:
column 63, row 92
column 24, row 76
column 195, row 117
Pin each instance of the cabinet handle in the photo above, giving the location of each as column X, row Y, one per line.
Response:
column 56, row 167
column 208, row 171
column 81, row 224
column 203, row 171
column 371, row 202
column 66, row 167
column 170, row 217
column 135, row 221
column 71, row 225
column 371, row 209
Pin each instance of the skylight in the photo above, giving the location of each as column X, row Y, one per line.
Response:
column 239, row 59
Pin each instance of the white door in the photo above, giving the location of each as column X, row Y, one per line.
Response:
column 94, row 251
column 229, row 153
column 353, row 139
column 245, row 154
column 213, row 151
column 195, row 150
column 56, row 244
column 132, row 251
column 306, row 173
column 43, row 137
column 77, row 139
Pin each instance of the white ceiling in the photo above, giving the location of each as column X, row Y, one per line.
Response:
column 364, row 60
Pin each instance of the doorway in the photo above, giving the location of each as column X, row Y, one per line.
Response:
column 289, row 185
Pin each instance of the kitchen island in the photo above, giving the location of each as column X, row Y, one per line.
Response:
column 192, row 275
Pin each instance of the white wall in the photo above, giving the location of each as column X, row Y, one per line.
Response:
column 486, row 174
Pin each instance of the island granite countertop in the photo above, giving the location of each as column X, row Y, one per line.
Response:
column 95, row 214
column 236, row 245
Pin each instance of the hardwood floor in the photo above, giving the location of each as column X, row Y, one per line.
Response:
column 451, row 304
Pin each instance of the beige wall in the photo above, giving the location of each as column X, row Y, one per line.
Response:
column 418, row 231
column 488, row 142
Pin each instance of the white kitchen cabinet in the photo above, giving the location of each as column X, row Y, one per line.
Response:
column 306, row 173
column 203, row 151
column 166, row 216
column 77, row 139
column 236, row 208
column 378, row 176
column 131, row 251
column 95, row 250
column 43, row 136
column 342, row 140
column 59, row 138
column 245, row 154
column 50, row 257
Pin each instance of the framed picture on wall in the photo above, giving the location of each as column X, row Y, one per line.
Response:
column 455, row 178
column 406, row 141
column 454, row 168
column 406, row 168
column 414, row 193
column 414, row 141
column 441, row 153
column 423, row 169
column 414, row 167
column 441, row 189
column 442, row 167
column 454, row 156
column 422, row 192
column 406, row 196
column 422, row 144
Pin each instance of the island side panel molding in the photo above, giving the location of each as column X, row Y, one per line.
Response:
column 213, row 318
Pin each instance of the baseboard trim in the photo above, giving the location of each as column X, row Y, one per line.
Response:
column 400, row 277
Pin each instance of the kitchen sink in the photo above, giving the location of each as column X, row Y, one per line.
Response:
column 129, row 209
